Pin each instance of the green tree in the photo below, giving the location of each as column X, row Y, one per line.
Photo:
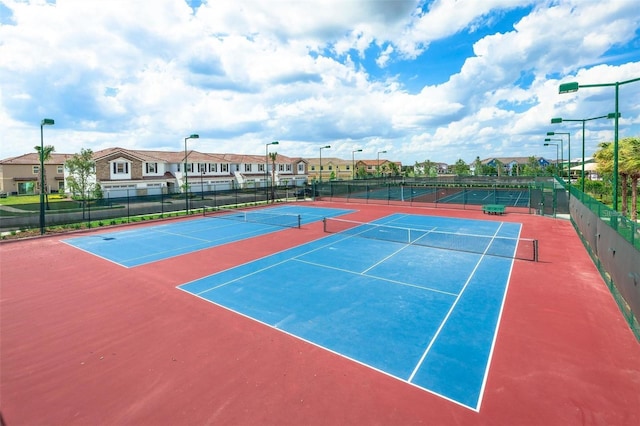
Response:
column 44, row 156
column 81, row 175
column 629, row 153
column 461, row 168
column 477, row 166
column 532, row 168
column 499, row 167
column 604, row 160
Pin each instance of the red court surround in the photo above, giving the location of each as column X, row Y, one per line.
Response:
column 86, row 342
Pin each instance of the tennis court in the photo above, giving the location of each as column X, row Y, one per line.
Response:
column 308, row 327
column 374, row 294
column 151, row 244
column 508, row 197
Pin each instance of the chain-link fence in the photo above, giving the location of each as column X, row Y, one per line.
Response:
column 543, row 196
column 133, row 207
column 613, row 241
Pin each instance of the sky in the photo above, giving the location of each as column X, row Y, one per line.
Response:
column 438, row 80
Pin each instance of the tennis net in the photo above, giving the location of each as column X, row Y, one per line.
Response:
column 254, row 216
column 518, row 248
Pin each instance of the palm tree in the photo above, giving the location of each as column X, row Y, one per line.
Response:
column 45, row 155
column 273, row 156
column 630, row 163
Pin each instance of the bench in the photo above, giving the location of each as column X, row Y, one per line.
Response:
column 493, row 209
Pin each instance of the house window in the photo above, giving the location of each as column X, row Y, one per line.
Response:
column 152, row 167
column 301, row 167
column 288, row 167
column 261, row 167
column 120, row 168
column 202, row 167
column 60, row 170
column 213, row 167
column 281, row 167
column 313, row 167
column 36, row 170
column 224, row 168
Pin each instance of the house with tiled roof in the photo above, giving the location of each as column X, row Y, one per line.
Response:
column 121, row 172
column 511, row 166
column 21, row 175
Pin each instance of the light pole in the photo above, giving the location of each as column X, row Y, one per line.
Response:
column 568, row 152
column 573, row 87
column 561, row 153
column 557, row 120
column 321, row 148
column 44, row 122
column 380, row 152
column 556, row 145
column 353, row 163
column 186, row 175
column 202, row 184
column 266, row 167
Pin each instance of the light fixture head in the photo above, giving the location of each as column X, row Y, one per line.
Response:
column 568, row 87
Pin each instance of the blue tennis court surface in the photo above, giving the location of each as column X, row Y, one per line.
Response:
column 145, row 245
column 424, row 315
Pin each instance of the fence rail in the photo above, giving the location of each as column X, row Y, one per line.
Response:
column 27, row 216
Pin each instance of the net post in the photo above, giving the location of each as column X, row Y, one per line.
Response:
column 535, row 250
column 299, row 221
column 324, row 224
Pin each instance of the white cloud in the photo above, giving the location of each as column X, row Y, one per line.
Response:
column 241, row 73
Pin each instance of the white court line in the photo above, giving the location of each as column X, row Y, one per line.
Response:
column 364, row 274
column 444, row 321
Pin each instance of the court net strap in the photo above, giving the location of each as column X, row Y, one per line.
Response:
column 518, row 248
column 254, row 216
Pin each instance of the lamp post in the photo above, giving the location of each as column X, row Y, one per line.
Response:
column 556, row 145
column 380, row 152
column 44, row 122
column 202, row 184
column 557, row 120
column 186, row 175
column 353, row 163
column 561, row 153
column 573, row 87
column 568, row 152
column 266, row 167
column 321, row 148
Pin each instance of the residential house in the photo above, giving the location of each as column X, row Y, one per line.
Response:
column 121, row 172
column 21, row 175
column 378, row 167
column 437, row 168
column 332, row 168
column 509, row 166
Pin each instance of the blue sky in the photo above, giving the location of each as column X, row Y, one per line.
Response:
column 423, row 80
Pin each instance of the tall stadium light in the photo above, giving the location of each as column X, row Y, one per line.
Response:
column 44, row 122
column 186, row 175
column 353, row 163
column 321, row 148
column 266, row 167
column 568, row 152
column 556, row 145
column 380, row 152
column 561, row 153
column 573, row 87
column 558, row 120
